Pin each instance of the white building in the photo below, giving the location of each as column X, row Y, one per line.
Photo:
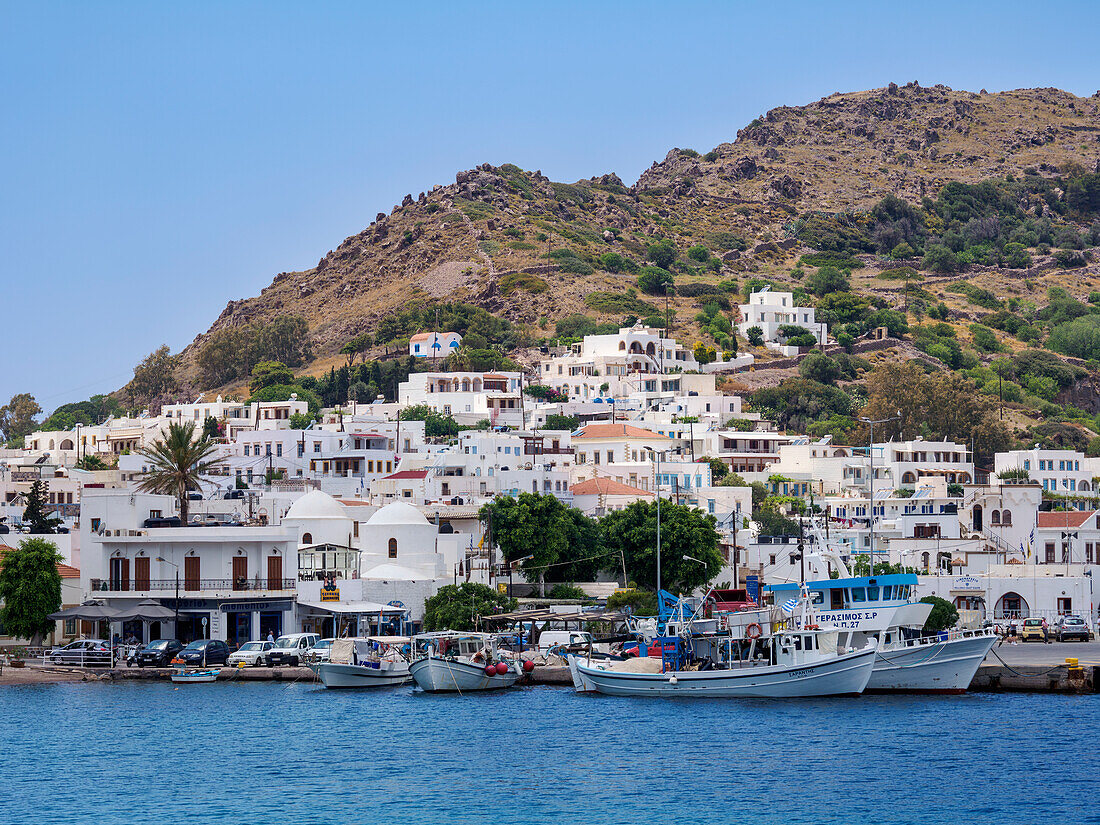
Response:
column 1056, row 471
column 772, row 310
column 434, row 344
column 468, row 397
column 231, row 582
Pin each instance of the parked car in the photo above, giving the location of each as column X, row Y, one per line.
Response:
column 251, row 653
column 204, row 652
column 1033, row 631
column 83, row 652
column 159, row 653
column 1071, row 627
column 291, row 649
column 319, row 652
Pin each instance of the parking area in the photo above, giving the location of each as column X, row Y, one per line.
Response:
column 1038, row 653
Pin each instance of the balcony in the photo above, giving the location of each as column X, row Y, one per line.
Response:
column 168, row 586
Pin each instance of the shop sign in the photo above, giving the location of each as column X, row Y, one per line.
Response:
column 330, row 593
column 255, row 607
column 967, row 583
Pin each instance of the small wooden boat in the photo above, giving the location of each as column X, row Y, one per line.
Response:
column 196, row 676
column 371, row 661
column 452, row 661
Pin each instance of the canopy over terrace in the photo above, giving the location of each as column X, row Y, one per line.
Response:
column 354, row 617
column 537, row 620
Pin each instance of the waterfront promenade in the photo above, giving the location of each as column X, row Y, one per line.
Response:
column 1020, row 667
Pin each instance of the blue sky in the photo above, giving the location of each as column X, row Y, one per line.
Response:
column 158, row 160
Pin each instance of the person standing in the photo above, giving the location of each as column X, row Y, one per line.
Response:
column 270, row 638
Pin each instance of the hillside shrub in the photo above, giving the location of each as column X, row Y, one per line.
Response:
column 1079, row 338
column 662, row 253
column 826, row 280
column 654, row 280
column 515, row 281
column 618, row 303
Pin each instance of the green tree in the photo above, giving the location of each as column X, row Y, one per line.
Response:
column 611, row 262
column 561, row 422
column 827, row 279
column 755, row 336
column 35, row 515
column 211, row 428
column 270, row 373
column 301, row 421
column 662, row 253
column 154, row 376
column 436, row 424
column 461, row 607
column 718, row 468
column 940, row 259
column 91, row 462
column 699, row 253
column 562, row 543
column 817, row 366
column 685, row 531
column 640, row 602
column 30, row 589
column 943, row 616
column 357, row 346
column 177, row 461
column 17, row 416
column 655, row 281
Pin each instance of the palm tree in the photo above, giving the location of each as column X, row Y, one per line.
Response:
column 178, row 460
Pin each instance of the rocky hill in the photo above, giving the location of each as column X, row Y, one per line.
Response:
column 534, row 251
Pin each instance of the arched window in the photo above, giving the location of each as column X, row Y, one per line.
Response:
column 977, row 517
column 67, row 444
column 908, row 478
column 393, row 548
column 995, row 518
column 1083, row 486
column 650, row 349
column 307, row 538
column 465, row 384
column 622, row 346
column 1011, row 606
column 1006, row 518
column 924, row 558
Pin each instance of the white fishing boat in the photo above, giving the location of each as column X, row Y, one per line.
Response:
column 882, row 608
column 370, row 661
column 188, row 676
column 784, row 665
column 458, row 662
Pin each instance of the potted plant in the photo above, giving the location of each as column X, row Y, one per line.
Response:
column 16, row 656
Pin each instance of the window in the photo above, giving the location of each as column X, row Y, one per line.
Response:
column 1065, row 606
column 1027, row 464
column 771, row 559
column 1050, row 552
column 393, row 549
column 246, row 449
column 316, row 446
column 279, row 449
column 307, row 538
column 858, row 594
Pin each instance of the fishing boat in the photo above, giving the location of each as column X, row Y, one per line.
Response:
column 188, row 676
column 370, row 661
column 753, row 653
column 907, row 658
column 451, row 661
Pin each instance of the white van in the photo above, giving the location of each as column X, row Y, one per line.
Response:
column 291, row 649
column 564, row 638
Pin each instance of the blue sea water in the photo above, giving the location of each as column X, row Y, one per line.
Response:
column 262, row 753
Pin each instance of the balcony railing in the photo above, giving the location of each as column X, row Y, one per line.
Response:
column 192, row 585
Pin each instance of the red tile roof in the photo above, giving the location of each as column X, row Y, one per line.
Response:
column 616, row 430
column 407, row 474
column 65, row 570
column 1070, row 518
column 607, row 487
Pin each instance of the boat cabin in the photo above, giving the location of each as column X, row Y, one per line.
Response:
column 857, row 593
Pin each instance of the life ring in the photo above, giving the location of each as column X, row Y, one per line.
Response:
column 753, row 631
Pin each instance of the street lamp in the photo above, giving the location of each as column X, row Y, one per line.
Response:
column 871, row 480
column 176, row 628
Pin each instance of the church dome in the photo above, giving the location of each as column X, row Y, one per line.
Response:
column 317, row 505
column 397, row 513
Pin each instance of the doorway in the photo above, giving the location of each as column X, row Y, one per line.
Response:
column 190, row 627
column 239, row 627
column 271, row 622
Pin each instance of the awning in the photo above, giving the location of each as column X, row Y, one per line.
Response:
column 89, row 612
column 354, row 607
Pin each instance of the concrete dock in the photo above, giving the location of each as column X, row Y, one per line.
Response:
column 1032, row 668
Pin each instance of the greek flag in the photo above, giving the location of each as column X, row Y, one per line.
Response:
column 789, row 606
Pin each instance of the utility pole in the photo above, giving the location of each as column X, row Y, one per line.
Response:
column 871, row 482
